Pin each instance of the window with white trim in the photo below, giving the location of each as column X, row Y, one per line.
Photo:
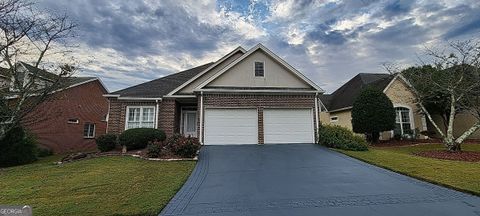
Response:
column 259, row 69
column 89, row 130
column 402, row 121
column 140, row 117
column 73, row 121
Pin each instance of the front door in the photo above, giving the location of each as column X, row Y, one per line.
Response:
column 190, row 123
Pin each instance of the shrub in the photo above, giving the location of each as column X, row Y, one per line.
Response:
column 106, row 142
column 181, row 146
column 372, row 113
column 155, row 149
column 139, row 138
column 44, row 152
column 17, row 147
column 341, row 138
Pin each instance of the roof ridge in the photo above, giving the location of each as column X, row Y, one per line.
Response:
column 164, row 77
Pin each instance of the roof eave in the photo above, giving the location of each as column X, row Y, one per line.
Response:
column 241, row 49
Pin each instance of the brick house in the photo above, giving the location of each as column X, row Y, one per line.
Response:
column 246, row 97
column 71, row 117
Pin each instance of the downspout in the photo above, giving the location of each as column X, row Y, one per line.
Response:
column 107, row 117
column 201, row 118
column 156, row 114
column 316, row 115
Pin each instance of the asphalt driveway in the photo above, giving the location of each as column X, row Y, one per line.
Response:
column 306, row 179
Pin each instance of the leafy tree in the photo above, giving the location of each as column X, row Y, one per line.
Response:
column 436, row 102
column 452, row 85
column 372, row 113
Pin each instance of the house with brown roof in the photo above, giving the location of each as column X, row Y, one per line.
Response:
column 71, row 117
column 337, row 107
column 246, row 97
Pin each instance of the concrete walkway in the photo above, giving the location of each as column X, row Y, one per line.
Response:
column 306, row 179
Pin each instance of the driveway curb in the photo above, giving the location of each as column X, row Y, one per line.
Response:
column 178, row 203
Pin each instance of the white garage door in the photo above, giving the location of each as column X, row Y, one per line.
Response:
column 288, row 126
column 231, row 126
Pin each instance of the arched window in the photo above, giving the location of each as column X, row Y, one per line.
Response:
column 402, row 121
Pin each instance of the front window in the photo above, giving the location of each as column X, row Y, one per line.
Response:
column 89, row 130
column 402, row 121
column 259, row 69
column 140, row 117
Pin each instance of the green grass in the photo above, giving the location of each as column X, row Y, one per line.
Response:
column 100, row 186
column 463, row 176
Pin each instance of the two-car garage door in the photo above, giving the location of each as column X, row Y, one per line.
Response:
column 240, row 126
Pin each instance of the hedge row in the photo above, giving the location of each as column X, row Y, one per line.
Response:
column 153, row 140
column 341, row 138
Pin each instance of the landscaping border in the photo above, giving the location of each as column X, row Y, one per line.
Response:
column 96, row 155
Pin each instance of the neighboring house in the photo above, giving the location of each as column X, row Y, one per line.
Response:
column 337, row 106
column 246, row 97
column 71, row 117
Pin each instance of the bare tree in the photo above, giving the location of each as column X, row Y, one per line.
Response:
column 452, row 80
column 28, row 36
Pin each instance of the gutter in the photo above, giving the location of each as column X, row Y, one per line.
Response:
column 157, row 108
column 201, row 118
column 341, row 109
column 256, row 91
column 131, row 98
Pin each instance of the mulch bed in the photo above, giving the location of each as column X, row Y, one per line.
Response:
column 135, row 153
column 393, row 143
column 457, row 156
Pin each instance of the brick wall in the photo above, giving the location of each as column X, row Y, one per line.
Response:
column 167, row 115
column 259, row 101
column 49, row 121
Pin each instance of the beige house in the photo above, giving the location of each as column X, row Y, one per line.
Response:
column 337, row 107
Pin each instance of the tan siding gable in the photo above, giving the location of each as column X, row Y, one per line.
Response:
column 242, row 74
column 399, row 93
column 401, row 96
column 191, row 86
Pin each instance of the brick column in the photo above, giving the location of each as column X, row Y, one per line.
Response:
column 166, row 116
column 260, row 125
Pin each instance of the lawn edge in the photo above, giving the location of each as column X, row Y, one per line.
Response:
column 410, row 175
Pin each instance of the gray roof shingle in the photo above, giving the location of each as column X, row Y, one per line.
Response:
column 157, row 88
column 345, row 95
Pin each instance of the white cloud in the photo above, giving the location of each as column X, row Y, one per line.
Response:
column 197, row 32
column 348, row 24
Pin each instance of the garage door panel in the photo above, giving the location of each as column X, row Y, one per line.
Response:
column 288, row 126
column 231, row 126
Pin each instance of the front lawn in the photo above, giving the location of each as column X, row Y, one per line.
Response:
column 460, row 175
column 100, row 186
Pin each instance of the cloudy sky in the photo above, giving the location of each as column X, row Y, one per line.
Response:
column 130, row 42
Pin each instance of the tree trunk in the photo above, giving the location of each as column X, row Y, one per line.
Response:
column 429, row 117
column 449, row 139
column 454, row 147
column 467, row 133
column 375, row 136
